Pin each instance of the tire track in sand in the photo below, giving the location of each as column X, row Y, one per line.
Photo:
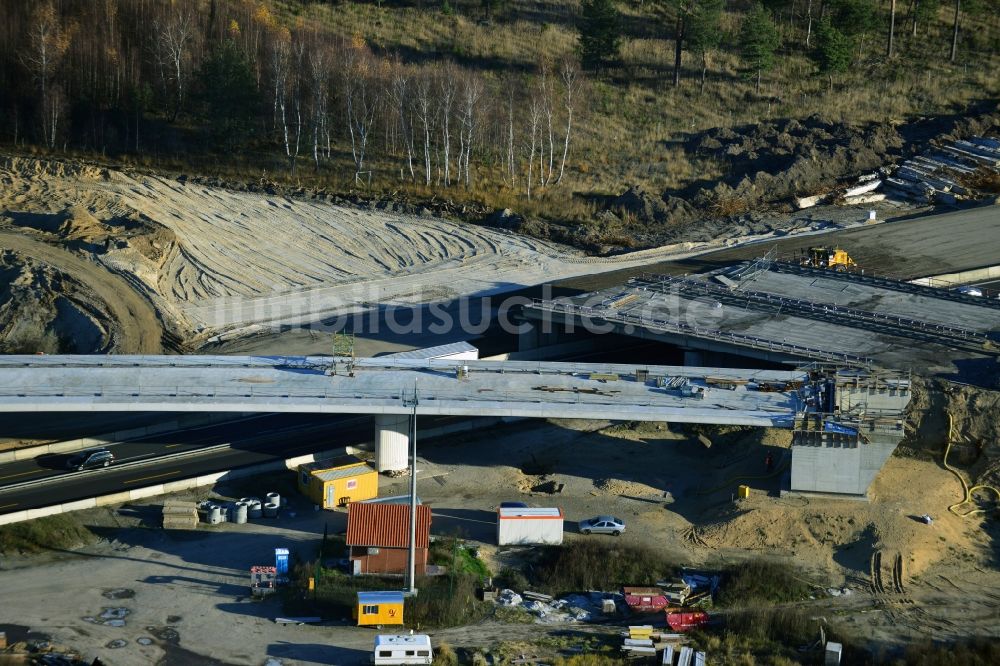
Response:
column 139, row 329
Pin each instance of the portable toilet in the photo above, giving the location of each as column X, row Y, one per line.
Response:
column 379, row 608
column 338, row 481
column 412, row 649
column 281, row 561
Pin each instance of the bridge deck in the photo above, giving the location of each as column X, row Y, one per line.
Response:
column 303, row 384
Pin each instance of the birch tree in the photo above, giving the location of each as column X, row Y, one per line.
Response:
column 48, row 43
column 400, row 89
column 425, row 112
column 569, row 75
column 447, row 89
column 173, row 44
column 360, row 91
column 472, row 91
column 320, row 65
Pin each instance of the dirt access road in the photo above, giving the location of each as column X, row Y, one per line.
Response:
column 189, row 601
column 135, row 324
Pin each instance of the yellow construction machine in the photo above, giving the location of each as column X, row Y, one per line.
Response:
column 825, row 257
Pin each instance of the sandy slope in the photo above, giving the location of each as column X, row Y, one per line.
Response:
column 212, row 259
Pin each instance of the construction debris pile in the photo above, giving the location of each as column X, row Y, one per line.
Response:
column 947, row 174
column 958, row 171
column 644, row 641
column 571, row 608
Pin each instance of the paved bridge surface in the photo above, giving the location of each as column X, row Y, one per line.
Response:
column 316, row 384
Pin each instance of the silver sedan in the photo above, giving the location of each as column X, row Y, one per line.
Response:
column 602, row 525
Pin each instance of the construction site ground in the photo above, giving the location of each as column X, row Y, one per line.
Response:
column 187, row 599
column 103, row 260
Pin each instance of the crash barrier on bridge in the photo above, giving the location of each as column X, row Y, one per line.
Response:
column 183, row 422
column 683, row 328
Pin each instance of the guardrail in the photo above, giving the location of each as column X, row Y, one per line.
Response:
column 888, row 282
column 606, row 395
column 829, row 312
column 680, row 328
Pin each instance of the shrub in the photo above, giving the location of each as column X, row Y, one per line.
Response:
column 760, row 582
column 593, row 565
column 445, row 601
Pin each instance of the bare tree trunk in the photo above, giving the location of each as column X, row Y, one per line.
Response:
column 678, row 47
column 914, row 5
column 424, row 113
column 569, row 75
column 510, row 139
column 809, row 22
column 954, row 35
column 758, row 80
column 892, row 27
column 534, row 116
column 704, row 69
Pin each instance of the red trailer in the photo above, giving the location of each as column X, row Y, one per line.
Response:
column 645, row 599
column 686, row 620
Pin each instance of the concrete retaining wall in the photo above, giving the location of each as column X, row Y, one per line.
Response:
column 183, row 422
column 962, row 277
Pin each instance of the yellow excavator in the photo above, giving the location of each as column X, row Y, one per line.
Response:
column 825, row 257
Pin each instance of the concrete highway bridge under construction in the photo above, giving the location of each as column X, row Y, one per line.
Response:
column 846, row 422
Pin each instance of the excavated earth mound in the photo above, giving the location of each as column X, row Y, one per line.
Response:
column 45, row 310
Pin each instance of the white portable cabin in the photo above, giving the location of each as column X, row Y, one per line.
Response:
column 411, row 649
column 527, row 526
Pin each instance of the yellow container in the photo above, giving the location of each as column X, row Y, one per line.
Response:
column 379, row 608
column 333, row 483
column 743, row 492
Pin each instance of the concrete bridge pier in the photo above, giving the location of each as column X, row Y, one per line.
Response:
column 693, row 358
column 392, row 441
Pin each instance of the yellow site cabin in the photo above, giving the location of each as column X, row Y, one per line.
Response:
column 379, row 608
column 337, row 482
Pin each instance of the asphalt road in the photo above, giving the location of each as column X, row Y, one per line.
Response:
column 254, row 440
column 905, row 248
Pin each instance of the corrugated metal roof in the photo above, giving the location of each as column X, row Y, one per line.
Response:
column 381, row 597
column 520, row 512
column 330, row 463
column 386, row 525
column 342, row 472
column 435, row 352
column 395, row 499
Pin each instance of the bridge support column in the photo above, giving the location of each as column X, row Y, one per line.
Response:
column 693, row 358
column 392, row 440
column 529, row 338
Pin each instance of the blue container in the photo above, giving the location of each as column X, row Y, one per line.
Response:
column 281, row 561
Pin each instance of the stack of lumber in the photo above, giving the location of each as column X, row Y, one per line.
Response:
column 179, row 515
column 638, row 641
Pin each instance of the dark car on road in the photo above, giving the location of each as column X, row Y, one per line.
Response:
column 90, row 459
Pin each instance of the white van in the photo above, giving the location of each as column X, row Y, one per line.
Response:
column 411, row 649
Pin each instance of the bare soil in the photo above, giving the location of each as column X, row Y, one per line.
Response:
column 194, row 584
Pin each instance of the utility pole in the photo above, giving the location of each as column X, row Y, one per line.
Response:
column 411, row 569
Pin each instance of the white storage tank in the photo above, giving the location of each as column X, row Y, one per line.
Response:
column 528, row 526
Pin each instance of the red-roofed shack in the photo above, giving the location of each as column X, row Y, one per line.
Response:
column 378, row 537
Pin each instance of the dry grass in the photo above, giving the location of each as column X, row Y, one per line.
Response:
column 632, row 121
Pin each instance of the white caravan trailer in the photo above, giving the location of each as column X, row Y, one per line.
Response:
column 411, row 649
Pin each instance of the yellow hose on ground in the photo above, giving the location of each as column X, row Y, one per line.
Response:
column 965, row 486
